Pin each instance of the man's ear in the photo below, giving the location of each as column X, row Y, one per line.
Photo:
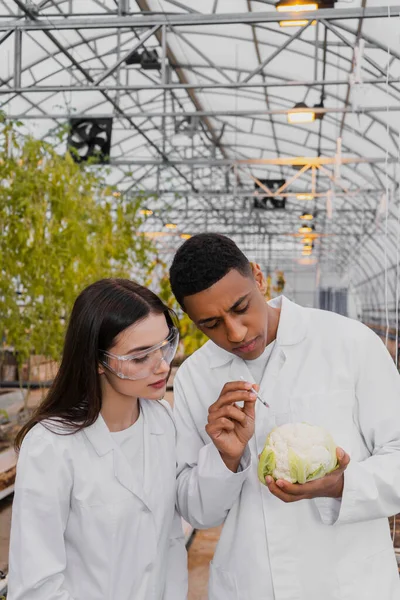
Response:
column 259, row 277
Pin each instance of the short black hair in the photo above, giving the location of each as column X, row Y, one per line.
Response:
column 203, row 260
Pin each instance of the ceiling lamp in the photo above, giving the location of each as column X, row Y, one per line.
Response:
column 306, row 216
column 185, row 236
column 296, row 23
column 146, row 212
column 307, row 115
column 307, row 252
column 295, row 6
column 305, row 196
column 307, row 241
column 301, row 113
column 171, row 225
column 305, row 229
column 299, row 6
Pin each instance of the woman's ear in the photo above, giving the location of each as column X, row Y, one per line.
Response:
column 259, row 277
column 100, row 370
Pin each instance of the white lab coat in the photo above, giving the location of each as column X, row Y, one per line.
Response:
column 326, row 370
column 81, row 527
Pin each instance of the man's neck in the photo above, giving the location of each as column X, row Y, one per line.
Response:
column 274, row 315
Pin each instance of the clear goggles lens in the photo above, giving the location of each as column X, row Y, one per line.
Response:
column 144, row 363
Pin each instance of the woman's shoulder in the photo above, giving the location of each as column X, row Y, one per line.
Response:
column 48, row 433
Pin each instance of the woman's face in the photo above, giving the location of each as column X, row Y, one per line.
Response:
column 132, row 341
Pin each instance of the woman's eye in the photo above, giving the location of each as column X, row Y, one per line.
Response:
column 140, row 360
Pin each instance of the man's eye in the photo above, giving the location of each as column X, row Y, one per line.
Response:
column 242, row 310
column 213, row 326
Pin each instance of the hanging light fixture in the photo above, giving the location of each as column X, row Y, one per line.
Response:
column 295, row 6
column 307, row 252
column 307, row 115
column 301, row 113
column 307, row 241
column 305, row 229
column 306, row 216
column 171, row 225
column 296, row 23
column 299, row 6
column 146, row 212
column 185, row 236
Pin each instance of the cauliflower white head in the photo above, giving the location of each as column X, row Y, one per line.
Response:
column 297, row 452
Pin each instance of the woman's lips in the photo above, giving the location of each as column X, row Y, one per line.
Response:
column 158, row 384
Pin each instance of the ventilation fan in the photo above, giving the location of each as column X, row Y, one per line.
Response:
column 90, row 138
column 261, row 200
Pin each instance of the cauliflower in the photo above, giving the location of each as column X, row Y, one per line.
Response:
column 297, row 452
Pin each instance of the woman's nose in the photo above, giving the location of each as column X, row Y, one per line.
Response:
column 163, row 367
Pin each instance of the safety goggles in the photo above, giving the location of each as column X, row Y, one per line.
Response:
column 143, row 363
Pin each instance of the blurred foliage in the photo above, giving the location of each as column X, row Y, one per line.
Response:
column 61, row 228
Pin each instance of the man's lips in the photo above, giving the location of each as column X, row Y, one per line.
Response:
column 246, row 348
column 158, row 384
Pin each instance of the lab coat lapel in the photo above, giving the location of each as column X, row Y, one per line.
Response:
column 152, row 433
column 99, row 436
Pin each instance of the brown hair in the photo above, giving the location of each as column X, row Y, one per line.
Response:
column 99, row 314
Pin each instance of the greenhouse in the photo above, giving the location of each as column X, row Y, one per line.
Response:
column 195, row 149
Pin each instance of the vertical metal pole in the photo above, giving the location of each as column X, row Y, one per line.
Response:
column 316, row 52
column 118, row 73
column 314, row 179
column 164, row 79
column 164, row 54
column 17, row 58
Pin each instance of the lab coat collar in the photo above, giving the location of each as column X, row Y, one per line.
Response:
column 99, row 435
column 292, row 329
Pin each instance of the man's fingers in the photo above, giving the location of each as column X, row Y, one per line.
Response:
column 220, row 425
column 343, row 459
column 281, row 494
column 249, row 408
column 230, row 412
column 245, row 395
column 294, row 489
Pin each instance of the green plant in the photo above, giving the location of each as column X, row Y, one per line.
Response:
column 61, row 228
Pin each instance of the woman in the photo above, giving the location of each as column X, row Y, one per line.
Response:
column 94, row 508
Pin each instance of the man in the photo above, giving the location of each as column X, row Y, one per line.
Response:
column 325, row 540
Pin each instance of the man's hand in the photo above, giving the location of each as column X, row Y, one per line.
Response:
column 229, row 426
column 330, row 486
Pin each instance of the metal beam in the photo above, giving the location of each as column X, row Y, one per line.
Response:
column 29, row 14
column 251, row 193
column 144, row 7
column 276, row 53
column 233, row 113
column 176, row 20
column 196, row 86
column 298, row 161
column 119, row 62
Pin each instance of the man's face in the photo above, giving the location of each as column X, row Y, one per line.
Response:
column 233, row 313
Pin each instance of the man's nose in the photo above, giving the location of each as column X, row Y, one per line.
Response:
column 236, row 332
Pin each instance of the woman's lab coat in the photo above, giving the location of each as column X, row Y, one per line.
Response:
column 325, row 370
column 82, row 529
